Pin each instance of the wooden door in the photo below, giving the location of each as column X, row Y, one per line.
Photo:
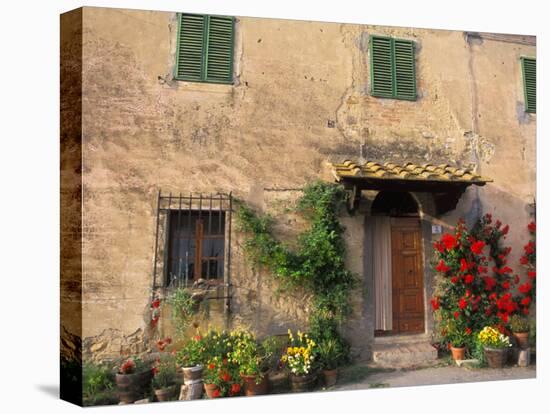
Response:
column 407, row 276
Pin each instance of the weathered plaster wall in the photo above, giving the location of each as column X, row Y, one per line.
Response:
column 272, row 130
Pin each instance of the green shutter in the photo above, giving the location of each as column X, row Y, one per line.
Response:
column 205, row 48
column 392, row 68
column 219, row 56
column 529, row 68
column 381, row 67
column 191, row 34
column 405, row 77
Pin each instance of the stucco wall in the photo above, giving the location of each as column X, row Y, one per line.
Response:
column 143, row 131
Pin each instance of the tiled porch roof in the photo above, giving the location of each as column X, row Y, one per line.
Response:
column 406, row 172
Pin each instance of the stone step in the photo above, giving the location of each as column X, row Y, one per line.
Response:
column 405, row 354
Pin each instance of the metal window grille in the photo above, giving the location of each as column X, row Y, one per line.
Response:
column 193, row 240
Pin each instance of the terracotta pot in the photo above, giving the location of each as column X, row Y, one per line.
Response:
column 278, row 382
column 522, row 339
column 192, row 373
column 165, row 394
column 132, row 387
column 210, row 388
column 496, row 357
column 458, row 353
column 252, row 388
column 303, row 383
column 330, row 376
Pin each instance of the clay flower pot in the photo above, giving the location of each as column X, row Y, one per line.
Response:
column 303, row 383
column 458, row 353
column 192, row 373
column 252, row 388
column 522, row 339
column 165, row 394
column 132, row 387
column 330, row 376
column 496, row 357
column 278, row 382
column 210, row 390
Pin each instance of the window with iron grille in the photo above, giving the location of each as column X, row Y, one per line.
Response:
column 205, row 48
column 529, row 69
column 193, row 239
column 392, row 68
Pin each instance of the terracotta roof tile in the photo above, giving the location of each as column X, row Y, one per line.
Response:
column 408, row 171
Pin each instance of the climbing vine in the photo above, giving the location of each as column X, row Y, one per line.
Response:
column 316, row 263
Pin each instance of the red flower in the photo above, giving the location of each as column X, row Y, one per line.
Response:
column 525, row 311
column 468, row 331
column 454, row 280
column 235, row 388
column 532, row 227
column 225, row 376
column 532, row 274
column 155, row 371
column 155, row 304
column 197, row 337
column 493, row 296
column 435, row 303
column 463, row 265
column 529, row 247
column 526, row 301
column 516, row 279
column 506, row 285
column 525, row 288
column 468, row 279
column 505, row 229
column 211, row 366
column 439, row 247
column 477, row 247
column 504, row 270
column 481, row 269
column 462, row 303
column 449, row 241
column 488, row 312
column 216, row 393
column 456, row 314
column 524, row 260
column 488, row 217
column 489, row 283
column 442, row 267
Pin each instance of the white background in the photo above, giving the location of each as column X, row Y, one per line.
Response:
column 29, row 207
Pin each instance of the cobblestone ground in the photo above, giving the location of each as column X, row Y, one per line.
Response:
column 363, row 377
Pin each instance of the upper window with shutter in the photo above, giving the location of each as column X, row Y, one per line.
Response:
column 205, row 48
column 529, row 69
column 393, row 72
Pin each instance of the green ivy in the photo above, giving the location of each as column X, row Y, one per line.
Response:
column 317, row 263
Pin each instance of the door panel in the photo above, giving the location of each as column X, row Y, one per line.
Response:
column 407, row 276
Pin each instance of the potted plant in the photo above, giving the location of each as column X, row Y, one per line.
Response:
column 520, row 330
column 330, row 353
column 133, row 380
column 299, row 358
column 221, row 378
column 458, row 337
column 191, row 359
column 252, row 359
column 495, row 346
column 164, row 378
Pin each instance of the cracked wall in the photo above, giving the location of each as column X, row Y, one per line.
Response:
column 301, row 98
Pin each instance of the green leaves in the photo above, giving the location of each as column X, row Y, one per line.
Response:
column 317, row 263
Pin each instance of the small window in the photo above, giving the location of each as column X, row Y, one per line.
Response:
column 196, row 246
column 529, row 69
column 205, row 48
column 392, row 68
column 192, row 239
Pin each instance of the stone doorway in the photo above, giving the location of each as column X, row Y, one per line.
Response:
column 397, row 265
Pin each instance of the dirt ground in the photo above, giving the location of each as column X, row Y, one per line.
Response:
column 363, row 377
